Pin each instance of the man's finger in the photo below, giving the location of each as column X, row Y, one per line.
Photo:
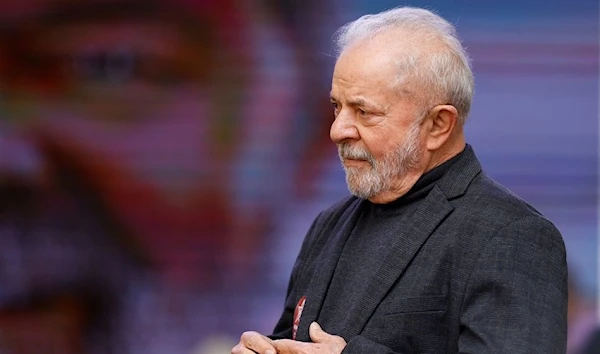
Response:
column 239, row 349
column 257, row 342
column 317, row 334
column 288, row 346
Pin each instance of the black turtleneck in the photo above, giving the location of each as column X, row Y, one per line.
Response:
column 366, row 243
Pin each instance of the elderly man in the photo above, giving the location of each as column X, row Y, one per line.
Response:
column 429, row 255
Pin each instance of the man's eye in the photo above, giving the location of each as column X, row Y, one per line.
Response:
column 336, row 107
column 362, row 112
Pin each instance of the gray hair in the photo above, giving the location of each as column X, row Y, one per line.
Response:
column 446, row 73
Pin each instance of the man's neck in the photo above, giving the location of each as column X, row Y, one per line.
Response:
column 401, row 188
column 444, row 154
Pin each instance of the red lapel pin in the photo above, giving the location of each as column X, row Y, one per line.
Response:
column 297, row 315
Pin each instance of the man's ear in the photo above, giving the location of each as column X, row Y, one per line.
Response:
column 443, row 119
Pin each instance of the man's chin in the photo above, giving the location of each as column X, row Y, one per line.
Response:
column 362, row 190
column 361, row 193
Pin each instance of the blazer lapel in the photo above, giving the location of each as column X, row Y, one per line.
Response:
column 325, row 266
column 408, row 237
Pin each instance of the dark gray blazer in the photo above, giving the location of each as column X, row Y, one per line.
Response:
column 476, row 270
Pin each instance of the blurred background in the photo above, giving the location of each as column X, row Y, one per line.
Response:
column 161, row 160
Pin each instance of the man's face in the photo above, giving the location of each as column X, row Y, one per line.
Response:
column 131, row 92
column 377, row 126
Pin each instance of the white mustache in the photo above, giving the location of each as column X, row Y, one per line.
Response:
column 347, row 151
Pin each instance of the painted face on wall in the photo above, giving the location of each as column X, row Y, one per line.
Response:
column 135, row 92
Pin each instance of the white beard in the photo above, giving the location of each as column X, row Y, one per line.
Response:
column 381, row 175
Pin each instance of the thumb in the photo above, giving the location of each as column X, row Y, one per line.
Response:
column 317, row 334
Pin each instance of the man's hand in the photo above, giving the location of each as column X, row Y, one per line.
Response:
column 323, row 343
column 254, row 342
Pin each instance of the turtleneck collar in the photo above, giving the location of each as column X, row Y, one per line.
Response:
column 423, row 185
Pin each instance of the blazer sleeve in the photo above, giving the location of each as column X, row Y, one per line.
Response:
column 283, row 328
column 515, row 300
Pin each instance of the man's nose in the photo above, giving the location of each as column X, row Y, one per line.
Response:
column 343, row 127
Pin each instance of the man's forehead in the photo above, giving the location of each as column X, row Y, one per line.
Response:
column 367, row 94
column 355, row 65
column 366, row 74
column 357, row 85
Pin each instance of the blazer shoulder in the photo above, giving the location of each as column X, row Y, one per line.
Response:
column 498, row 211
column 487, row 196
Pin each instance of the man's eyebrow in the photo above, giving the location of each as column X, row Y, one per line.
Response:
column 362, row 102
